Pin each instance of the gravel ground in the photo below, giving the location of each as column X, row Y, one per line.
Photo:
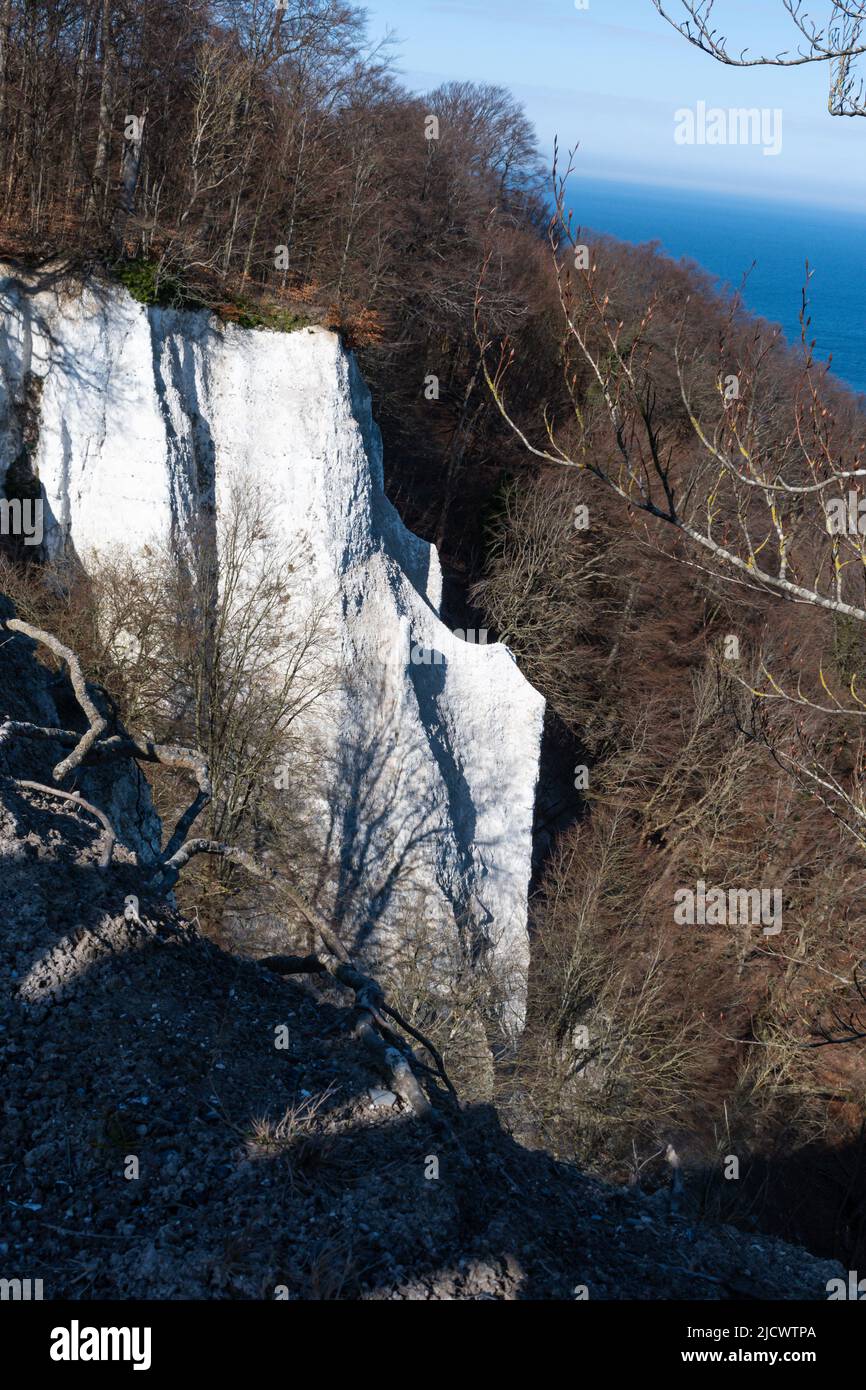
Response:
column 157, row 1143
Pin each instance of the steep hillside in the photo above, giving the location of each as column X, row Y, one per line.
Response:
column 179, row 1122
column 139, row 428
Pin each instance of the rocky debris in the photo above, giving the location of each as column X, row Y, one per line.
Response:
column 157, row 1144
column 179, row 1122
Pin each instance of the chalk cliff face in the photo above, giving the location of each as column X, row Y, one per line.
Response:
column 138, row 422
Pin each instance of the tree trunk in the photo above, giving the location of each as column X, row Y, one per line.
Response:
column 129, row 171
column 5, row 31
column 99, row 191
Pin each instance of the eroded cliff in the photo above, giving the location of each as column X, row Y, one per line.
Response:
column 136, row 423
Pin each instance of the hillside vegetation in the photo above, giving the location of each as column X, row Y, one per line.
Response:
column 277, row 172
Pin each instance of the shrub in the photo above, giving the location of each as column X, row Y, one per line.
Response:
column 150, row 285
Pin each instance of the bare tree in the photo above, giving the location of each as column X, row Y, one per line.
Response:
column 754, row 496
column 5, row 35
column 839, row 42
column 768, row 488
column 252, row 663
column 99, row 177
column 373, row 1017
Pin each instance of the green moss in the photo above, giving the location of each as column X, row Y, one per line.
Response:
column 264, row 316
column 148, row 285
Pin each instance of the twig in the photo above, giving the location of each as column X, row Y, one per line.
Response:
column 371, row 1027
column 110, row 837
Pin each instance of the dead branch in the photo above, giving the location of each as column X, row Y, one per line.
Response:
column 368, row 999
column 170, row 870
column 95, row 720
column 141, row 750
column 369, row 995
column 838, row 43
column 371, row 1028
column 109, row 837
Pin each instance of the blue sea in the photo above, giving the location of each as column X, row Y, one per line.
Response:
column 725, row 235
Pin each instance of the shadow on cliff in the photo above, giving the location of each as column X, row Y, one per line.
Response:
column 383, row 830
column 394, row 833
column 20, row 418
column 58, row 282
column 160, row 1145
column 191, row 454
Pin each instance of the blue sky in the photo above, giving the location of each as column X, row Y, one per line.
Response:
column 611, row 77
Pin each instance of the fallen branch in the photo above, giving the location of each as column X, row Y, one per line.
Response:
column 142, row 750
column 388, row 1057
column 109, row 838
column 369, row 995
column 371, row 1027
column 393, row 1064
column 170, row 870
column 96, row 723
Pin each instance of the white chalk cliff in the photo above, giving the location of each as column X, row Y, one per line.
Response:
column 139, row 419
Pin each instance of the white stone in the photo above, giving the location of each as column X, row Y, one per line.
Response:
column 146, row 413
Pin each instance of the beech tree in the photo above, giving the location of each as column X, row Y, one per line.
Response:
column 761, row 481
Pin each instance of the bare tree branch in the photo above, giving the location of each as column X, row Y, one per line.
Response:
column 838, row 43
column 109, row 838
column 97, row 724
column 369, row 995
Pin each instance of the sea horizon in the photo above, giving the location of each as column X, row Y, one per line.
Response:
column 768, row 241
